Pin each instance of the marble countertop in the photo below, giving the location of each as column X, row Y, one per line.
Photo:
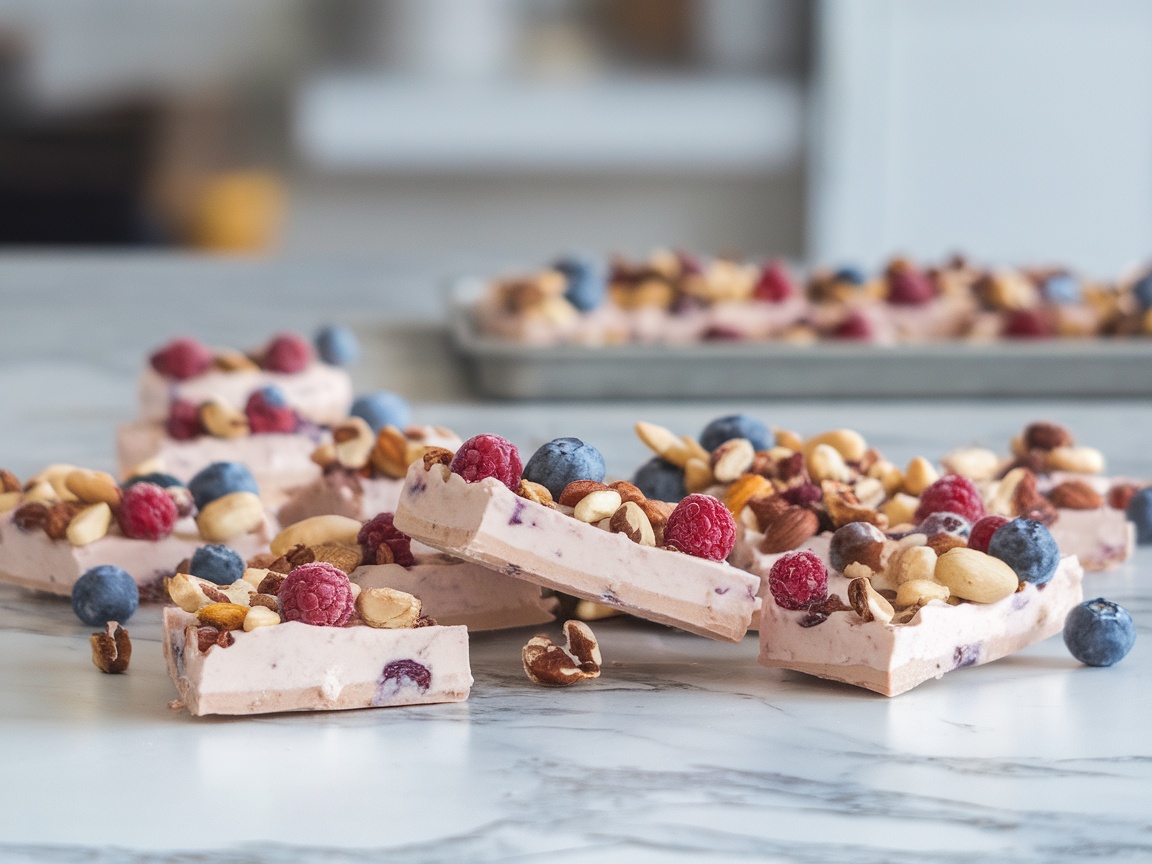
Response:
column 684, row 749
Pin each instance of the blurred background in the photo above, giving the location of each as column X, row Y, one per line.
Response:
column 510, row 130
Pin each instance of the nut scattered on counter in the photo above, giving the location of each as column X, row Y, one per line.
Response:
column 111, row 650
column 548, row 664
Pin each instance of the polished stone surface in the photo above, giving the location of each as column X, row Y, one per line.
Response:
column 684, row 749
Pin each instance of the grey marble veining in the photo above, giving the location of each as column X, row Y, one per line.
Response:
column 684, row 749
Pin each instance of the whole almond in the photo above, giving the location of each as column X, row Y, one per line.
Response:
column 631, row 521
column 597, row 505
column 341, row 556
column 1046, row 436
column 111, row 649
column 1076, row 495
column 1120, row 494
column 223, row 616
column 31, row 516
column 90, row 524
column 975, row 576
column 9, row 482
column 731, row 459
column 628, row 491
column 789, row 529
column 389, row 455
column 767, row 508
column 578, row 490
column 93, row 487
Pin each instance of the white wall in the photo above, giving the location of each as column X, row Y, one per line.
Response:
column 1014, row 130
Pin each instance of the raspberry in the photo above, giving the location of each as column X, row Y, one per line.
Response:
column 803, row 495
column 267, row 411
column 908, row 287
column 287, row 352
column 701, row 526
column 855, row 326
column 146, row 512
column 774, row 285
column 983, row 530
column 798, row 580
column 488, row 456
column 379, row 531
column 183, row 421
column 954, row 494
column 1028, row 324
column 317, row 594
column 182, row 359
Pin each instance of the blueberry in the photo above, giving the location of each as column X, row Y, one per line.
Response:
column 164, row 481
column 220, row 479
column 587, row 283
column 559, row 462
column 850, row 274
column 273, row 396
column 382, row 409
column 736, row 426
column 105, row 593
column 1143, row 290
column 1140, row 514
column 1028, row 548
column 1062, row 289
column 660, row 480
column 216, row 563
column 337, row 346
column 1099, row 633
column 945, row 523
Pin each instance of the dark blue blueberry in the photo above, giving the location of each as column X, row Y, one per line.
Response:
column 337, row 346
column 164, row 481
column 1143, row 290
column 1099, row 633
column 850, row 274
column 273, row 396
column 736, row 426
column 660, row 480
column 220, row 479
column 105, row 593
column 382, row 409
column 1062, row 289
column 217, row 563
column 1140, row 514
column 945, row 523
column 587, row 283
column 559, row 462
column 1028, row 548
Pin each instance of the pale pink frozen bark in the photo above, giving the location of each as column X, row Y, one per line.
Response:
column 487, row 523
column 321, row 393
column 299, row 667
column 893, row 658
column 281, row 463
column 34, row 560
column 459, row 592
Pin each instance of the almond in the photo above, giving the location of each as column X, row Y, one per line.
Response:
column 389, row 456
column 9, row 482
column 789, row 529
column 657, row 513
column 340, row 555
column 1076, row 495
column 90, row 524
column 59, row 516
column 1120, row 494
column 941, row 543
column 974, row 576
column 767, row 509
column 578, row 490
column 628, row 491
column 1046, row 436
column 31, row 516
column 630, row 521
column 697, row 475
column 842, row 510
column 93, row 487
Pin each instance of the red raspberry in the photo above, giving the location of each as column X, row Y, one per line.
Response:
column 798, row 579
column 952, row 494
column 908, row 287
column 856, row 326
column 379, row 531
column 182, row 359
column 701, row 526
column 183, row 422
column 803, row 494
column 1028, row 324
column 317, row 594
column 287, row 352
column 146, row 512
column 488, row 456
column 264, row 417
column 774, row 285
column 983, row 530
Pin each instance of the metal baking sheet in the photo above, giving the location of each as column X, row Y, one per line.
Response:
column 720, row 370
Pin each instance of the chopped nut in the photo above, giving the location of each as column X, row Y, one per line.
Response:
column 1080, row 460
column 9, row 482
column 222, row 616
column 437, row 456
column 31, row 516
column 271, row 583
column 388, row 609
column 93, row 487
column 919, row 475
column 315, row 531
column 578, row 490
column 260, row 616
column 549, row 664
column 354, row 442
column 59, row 515
column 299, row 555
column 913, row 563
column 842, row 510
column 90, row 524
column 869, row 603
column 917, row 592
column 731, row 459
column 344, row 558
column 791, row 440
column 975, row 463
column 112, row 649
column 187, row 592
column 697, row 475
column 587, row 610
column 657, row 513
column 941, row 543
column 1046, row 436
column 849, row 444
column 536, row 492
column 631, row 521
column 221, row 420
column 597, row 505
column 742, row 491
column 900, row 509
column 267, row 600
column 325, row 454
column 628, row 491
column 825, row 463
column 767, row 508
column 664, row 443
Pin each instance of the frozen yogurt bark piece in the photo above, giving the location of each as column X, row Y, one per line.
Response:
column 292, row 666
column 556, row 545
column 187, row 371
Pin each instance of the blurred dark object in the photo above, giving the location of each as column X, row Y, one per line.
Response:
column 77, row 180
column 647, row 32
